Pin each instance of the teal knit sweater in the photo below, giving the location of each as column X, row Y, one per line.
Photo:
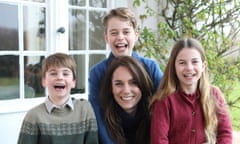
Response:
column 61, row 126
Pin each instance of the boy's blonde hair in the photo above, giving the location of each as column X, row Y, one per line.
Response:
column 124, row 13
column 59, row 60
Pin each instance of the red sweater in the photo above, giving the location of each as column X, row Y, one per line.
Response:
column 178, row 119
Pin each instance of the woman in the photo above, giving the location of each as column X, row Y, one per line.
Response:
column 125, row 94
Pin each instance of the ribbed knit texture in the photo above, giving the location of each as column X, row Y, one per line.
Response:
column 61, row 126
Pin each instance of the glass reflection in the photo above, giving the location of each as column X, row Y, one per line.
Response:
column 36, row 0
column 95, row 58
column 77, row 2
column 8, row 27
column 96, row 40
column 98, row 3
column 32, row 76
column 81, row 75
column 77, row 29
column 34, row 28
column 9, row 77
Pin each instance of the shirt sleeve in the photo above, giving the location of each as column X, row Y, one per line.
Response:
column 160, row 122
column 224, row 133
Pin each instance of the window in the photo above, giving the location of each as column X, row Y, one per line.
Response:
column 22, row 48
column 30, row 30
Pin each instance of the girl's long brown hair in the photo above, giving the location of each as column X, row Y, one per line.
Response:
column 170, row 83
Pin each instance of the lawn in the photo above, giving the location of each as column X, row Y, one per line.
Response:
column 235, row 111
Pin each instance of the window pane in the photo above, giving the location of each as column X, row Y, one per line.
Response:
column 9, row 77
column 8, row 27
column 36, row 0
column 96, row 40
column 77, row 2
column 32, row 76
column 98, row 3
column 95, row 58
column 77, row 29
column 81, row 75
column 34, row 28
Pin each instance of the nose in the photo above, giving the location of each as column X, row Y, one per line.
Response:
column 120, row 36
column 189, row 66
column 126, row 88
column 60, row 76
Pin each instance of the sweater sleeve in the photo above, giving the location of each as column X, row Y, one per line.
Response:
column 160, row 122
column 91, row 136
column 224, row 133
column 29, row 131
column 94, row 91
column 156, row 75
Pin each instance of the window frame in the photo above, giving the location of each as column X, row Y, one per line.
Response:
column 56, row 17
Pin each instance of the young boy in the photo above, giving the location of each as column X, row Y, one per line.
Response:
column 121, row 35
column 60, row 119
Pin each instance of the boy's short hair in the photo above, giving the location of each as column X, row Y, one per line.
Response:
column 123, row 13
column 59, row 60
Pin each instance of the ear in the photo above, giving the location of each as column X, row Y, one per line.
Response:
column 137, row 36
column 105, row 37
column 204, row 65
column 74, row 83
column 43, row 82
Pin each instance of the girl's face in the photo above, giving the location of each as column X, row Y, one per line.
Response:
column 189, row 68
column 120, row 36
column 59, row 81
column 125, row 90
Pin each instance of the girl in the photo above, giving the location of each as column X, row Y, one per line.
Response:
column 187, row 109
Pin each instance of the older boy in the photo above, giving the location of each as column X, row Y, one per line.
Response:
column 121, row 35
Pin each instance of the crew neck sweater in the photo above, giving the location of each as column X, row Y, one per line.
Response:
column 61, row 126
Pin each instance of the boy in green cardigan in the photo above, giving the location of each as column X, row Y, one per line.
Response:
column 60, row 119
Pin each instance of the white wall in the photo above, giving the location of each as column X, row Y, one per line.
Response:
column 12, row 113
column 10, row 124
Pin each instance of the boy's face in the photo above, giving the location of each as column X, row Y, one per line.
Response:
column 120, row 36
column 58, row 81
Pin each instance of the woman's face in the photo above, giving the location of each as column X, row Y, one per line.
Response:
column 125, row 90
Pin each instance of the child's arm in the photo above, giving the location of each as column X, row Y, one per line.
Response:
column 160, row 123
column 224, row 132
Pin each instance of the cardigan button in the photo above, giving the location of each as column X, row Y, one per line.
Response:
column 193, row 130
column 193, row 113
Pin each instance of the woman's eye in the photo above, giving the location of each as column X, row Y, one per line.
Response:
column 117, row 84
column 133, row 82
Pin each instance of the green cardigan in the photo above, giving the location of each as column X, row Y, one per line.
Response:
column 61, row 126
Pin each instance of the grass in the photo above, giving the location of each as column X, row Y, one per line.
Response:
column 235, row 110
column 5, row 81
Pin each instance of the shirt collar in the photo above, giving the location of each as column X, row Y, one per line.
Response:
column 51, row 106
